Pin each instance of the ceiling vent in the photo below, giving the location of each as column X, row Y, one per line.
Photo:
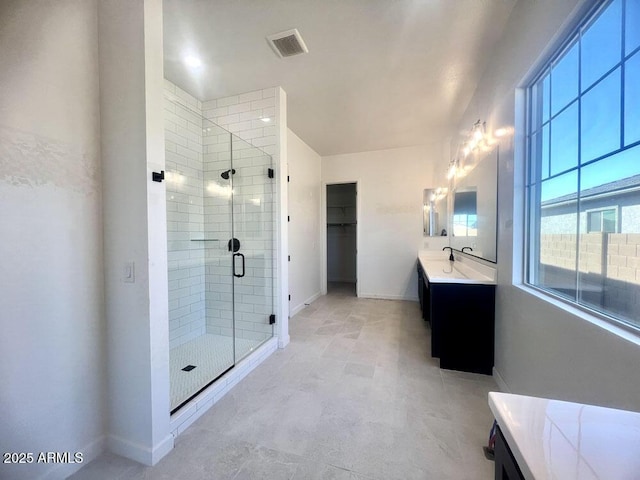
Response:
column 287, row 44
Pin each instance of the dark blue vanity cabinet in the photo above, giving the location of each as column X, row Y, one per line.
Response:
column 462, row 318
column 506, row 465
column 423, row 293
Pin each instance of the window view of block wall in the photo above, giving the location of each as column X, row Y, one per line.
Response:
column 583, row 180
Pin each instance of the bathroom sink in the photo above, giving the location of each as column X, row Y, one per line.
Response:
column 442, row 270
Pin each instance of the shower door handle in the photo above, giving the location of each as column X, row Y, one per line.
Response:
column 234, row 265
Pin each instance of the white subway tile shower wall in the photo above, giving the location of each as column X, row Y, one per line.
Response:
column 185, row 215
column 198, row 207
column 254, row 213
column 243, row 114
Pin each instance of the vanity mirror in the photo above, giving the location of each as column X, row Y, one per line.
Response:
column 434, row 212
column 474, row 206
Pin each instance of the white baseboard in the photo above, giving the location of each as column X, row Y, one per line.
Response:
column 341, row 280
column 388, row 297
column 283, row 341
column 140, row 453
column 308, row 301
column 90, row 452
column 500, row 381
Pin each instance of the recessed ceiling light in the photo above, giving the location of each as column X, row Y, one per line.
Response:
column 192, row 61
column 266, row 119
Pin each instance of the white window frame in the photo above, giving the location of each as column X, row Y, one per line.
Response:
column 529, row 263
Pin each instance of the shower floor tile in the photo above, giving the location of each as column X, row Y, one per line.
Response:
column 210, row 354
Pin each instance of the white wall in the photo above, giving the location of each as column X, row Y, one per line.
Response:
column 304, row 227
column 542, row 349
column 390, row 191
column 52, row 346
column 135, row 229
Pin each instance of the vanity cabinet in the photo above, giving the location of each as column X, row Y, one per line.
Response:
column 423, row 293
column 462, row 326
column 462, row 319
column 505, row 464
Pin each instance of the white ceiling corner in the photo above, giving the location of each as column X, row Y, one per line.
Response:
column 379, row 73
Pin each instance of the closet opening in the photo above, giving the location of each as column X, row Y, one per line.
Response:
column 342, row 253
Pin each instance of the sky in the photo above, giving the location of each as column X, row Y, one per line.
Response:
column 608, row 110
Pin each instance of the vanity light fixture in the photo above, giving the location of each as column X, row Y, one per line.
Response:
column 453, row 168
column 478, row 131
column 476, row 137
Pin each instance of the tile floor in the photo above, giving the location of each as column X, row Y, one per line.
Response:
column 211, row 355
column 355, row 395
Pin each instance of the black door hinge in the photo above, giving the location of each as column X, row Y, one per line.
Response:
column 157, row 176
column 270, row 172
column 289, row 297
column 288, row 218
column 288, row 178
column 272, row 319
column 289, row 257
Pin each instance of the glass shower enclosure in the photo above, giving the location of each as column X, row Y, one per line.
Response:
column 220, row 236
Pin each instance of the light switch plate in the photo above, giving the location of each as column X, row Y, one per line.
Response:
column 129, row 272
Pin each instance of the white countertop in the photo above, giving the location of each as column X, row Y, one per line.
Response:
column 463, row 271
column 552, row 439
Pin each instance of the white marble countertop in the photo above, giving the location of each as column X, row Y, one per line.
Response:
column 552, row 439
column 440, row 269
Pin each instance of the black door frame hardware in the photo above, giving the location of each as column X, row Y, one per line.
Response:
column 157, row 176
column 234, row 244
column 234, row 265
column 272, row 319
column 270, row 172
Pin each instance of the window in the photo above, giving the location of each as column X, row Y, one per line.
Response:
column 602, row 221
column 583, row 172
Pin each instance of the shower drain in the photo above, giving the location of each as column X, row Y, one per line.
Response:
column 188, row 368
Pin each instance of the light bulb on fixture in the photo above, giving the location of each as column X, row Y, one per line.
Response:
column 452, row 170
column 192, row 61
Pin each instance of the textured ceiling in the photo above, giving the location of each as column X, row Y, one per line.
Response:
column 379, row 73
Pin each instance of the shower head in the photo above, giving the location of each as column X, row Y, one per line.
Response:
column 225, row 174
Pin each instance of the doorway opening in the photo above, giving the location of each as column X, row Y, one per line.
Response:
column 342, row 218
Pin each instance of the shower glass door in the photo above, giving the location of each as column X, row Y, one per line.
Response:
column 253, row 261
column 220, row 232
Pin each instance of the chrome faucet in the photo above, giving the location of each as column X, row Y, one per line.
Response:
column 470, row 249
column 450, row 253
